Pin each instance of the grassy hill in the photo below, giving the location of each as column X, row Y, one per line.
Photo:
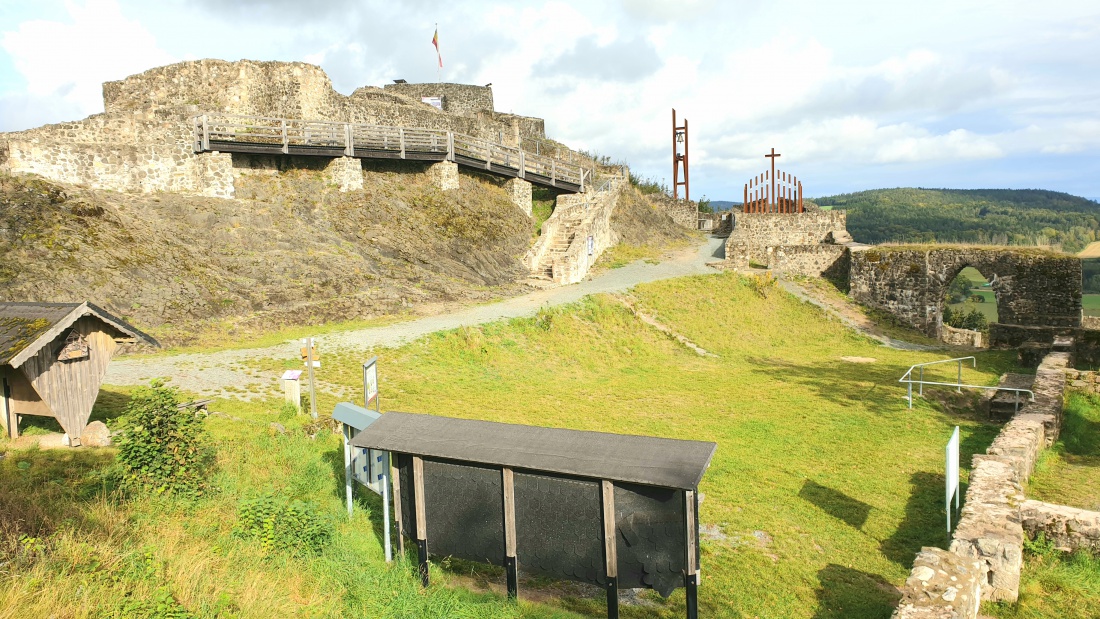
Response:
column 998, row 216
column 823, row 488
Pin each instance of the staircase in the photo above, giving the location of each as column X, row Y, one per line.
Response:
column 560, row 255
column 1004, row 404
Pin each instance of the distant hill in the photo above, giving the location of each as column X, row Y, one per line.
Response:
column 723, row 205
column 999, row 216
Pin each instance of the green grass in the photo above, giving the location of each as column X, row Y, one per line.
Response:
column 622, row 254
column 820, row 454
column 1069, row 472
column 1053, row 585
column 1091, row 304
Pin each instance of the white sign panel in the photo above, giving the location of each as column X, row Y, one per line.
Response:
column 952, row 474
column 591, row 245
column 369, row 467
column 370, row 380
column 436, row 102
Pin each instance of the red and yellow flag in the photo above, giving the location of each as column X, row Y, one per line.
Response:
column 435, row 42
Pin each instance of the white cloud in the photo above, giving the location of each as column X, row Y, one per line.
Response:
column 68, row 62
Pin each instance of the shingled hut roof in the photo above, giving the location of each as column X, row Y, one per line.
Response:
column 27, row 327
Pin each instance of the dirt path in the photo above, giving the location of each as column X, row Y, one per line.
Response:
column 212, row 373
column 851, row 317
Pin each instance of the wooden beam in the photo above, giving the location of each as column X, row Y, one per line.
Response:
column 511, row 566
column 395, row 477
column 610, row 550
column 691, row 575
column 421, row 519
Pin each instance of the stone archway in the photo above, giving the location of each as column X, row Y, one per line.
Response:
column 1033, row 287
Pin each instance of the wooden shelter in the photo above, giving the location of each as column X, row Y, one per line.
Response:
column 53, row 357
column 612, row 510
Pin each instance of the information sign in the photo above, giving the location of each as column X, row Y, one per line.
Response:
column 952, row 474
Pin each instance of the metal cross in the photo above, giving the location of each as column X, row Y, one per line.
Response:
column 772, row 157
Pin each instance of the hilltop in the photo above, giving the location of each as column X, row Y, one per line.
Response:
column 996, row 216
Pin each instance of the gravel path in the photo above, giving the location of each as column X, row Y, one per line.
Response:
column 212, row 373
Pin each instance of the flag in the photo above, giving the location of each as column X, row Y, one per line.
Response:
column 435, row 42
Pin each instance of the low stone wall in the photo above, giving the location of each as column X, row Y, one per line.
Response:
column 757, row 232
column 571, row 267
column 961, row 337
column 990, row 534
column 942, row 585
column 1069, row 528
column 1084, row 381
column 684, row 212
column 809, row 260
column 465, row 99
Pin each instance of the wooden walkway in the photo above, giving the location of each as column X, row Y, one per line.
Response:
column 283, row 136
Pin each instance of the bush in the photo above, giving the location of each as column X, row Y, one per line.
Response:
column 162, row 448
column 280, row 524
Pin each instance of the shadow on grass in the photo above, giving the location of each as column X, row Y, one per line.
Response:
column 1080, row 434
column 923, row 524
column 844, row 592
column 837, row 381
column 363, row 498
column 835, row 503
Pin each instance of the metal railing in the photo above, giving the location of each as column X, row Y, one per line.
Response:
column 331, row 138
column 958, row 384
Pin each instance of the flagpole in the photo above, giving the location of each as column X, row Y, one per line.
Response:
column 438, row 65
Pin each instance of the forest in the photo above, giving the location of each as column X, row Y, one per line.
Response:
column 986, row 216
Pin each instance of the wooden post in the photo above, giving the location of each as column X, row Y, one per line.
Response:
column 421, row 519
column 395, row 479
column 401, row 138
column 691, row 574
column 349, row 140
column 11, row 420
column 610, row 549
column 312, row 382
column 292, row 392
column 205, row 134
column 286, row 140
column 511, row 566
column 522, row 165
column 347, row 467
column 450, row 146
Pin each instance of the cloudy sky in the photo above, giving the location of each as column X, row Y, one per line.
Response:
column 854, row 94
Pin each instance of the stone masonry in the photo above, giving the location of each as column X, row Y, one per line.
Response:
column 1033, row 287
column 519, row 191
column 990, row 534
column 444, row 174
column 143, row 142
column 346, row 173
column 813, row 243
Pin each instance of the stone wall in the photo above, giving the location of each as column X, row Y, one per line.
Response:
column 464, row 99
column 810, row 260
column 760, row 233
column 561, row 251
column 961, row 337
column 990, row 533
column 684, row 212
column 1069, row 528
column 144, row 140
column 1033, row 287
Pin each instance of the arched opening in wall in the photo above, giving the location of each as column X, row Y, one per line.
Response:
column 969, row 307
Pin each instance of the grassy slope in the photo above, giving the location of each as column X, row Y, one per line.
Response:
column 1018, row 217
column 820, row 456
column 1069, row 473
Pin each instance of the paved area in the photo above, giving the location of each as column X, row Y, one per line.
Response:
column 212, row 373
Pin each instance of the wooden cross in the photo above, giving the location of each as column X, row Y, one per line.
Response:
column 772, row 157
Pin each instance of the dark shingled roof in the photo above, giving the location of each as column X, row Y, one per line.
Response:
column 665, row 462
column 27, row 327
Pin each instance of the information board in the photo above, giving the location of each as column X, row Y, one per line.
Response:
column 952, row 474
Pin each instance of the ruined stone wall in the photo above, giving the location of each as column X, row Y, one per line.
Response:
column 684, row 212
column 144, row 140
column 1069, row 528
column 961, row 337
column 810, row 260
column 1033, row 287
column 463, row 99
column 759, row 233
column 990, row 534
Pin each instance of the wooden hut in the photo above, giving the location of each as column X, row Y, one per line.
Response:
column 53, row 357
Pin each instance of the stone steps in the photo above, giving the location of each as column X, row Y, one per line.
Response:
column 1005, row 404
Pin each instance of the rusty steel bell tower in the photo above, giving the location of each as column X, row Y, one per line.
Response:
column 679, row 136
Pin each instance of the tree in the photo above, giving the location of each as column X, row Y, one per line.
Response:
column 958, row 290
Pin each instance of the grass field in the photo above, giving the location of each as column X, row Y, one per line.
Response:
column 1069, row 472
column 988, row 307
column 823, row 488
column 1091, row 304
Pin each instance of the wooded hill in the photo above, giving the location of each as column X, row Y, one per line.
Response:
column 994, row 216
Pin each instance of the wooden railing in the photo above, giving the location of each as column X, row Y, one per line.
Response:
column 258, row 134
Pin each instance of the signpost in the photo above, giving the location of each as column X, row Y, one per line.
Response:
column 952, row 474
column 379, row 461
column 313, row 360
column 292, row 390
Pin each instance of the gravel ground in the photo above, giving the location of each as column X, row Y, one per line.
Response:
column 210, row 374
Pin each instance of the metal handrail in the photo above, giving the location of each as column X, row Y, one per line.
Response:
column 907, row 378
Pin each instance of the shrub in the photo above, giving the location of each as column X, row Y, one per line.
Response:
column 162, row 448
column 280, row 524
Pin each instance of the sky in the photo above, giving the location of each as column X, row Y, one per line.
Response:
column 853, row 94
